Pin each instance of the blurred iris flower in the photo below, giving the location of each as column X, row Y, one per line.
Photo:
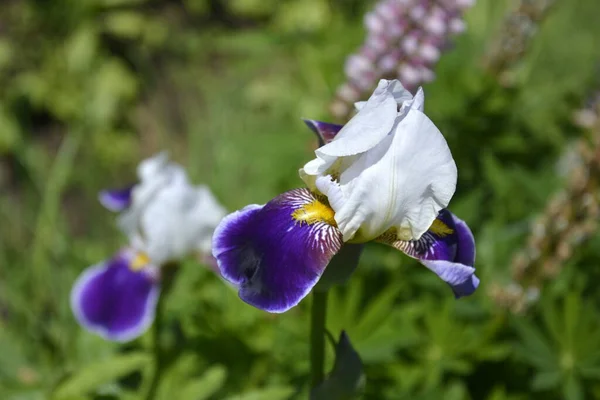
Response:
column 165, row 219
column 387, row 176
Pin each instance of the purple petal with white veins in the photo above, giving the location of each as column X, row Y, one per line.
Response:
column 447, row 248
column 116, row 199
column 114, row 301
column 325, row 131
column 276, row 253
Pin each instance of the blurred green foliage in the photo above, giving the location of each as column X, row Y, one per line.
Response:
column 91, row 87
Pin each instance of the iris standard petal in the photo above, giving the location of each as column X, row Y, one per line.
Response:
column 156, row 174
column 114, row 301
column 399, row 92
column 276, row 253
column 366, row 129
column 403, row 182
column 447, row 248
column 325, row 131
column 181, row 219
column 116, row 199
column 414, row 103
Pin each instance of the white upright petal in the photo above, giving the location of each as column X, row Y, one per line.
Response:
column 153, row 166
column 418, row 102
column 359, row 105
column 374, row 121
column 169, row 218
column 402, row 183
column 400, row 93
column 379, row 175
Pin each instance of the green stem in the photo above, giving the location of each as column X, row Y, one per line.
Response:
column 168, row 272
column 46, row 229
column 317, row 337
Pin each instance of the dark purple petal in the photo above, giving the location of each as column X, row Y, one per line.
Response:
column 325, row 131
column 114, row 301
column 465, row 251
column 276, row 253
column 447, row 248
column 116, row 199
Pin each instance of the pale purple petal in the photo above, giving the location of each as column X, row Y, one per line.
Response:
column 448, row 249
column 325, row 131
column 114, row 301
column 461, row 278
column 116, row 199
column 273, row 257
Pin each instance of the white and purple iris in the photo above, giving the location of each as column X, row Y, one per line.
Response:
column 386, row 176
column 165, row 219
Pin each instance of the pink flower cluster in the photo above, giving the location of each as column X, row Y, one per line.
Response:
column 404, row 40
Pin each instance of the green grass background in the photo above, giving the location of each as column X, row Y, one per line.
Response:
column 89, row 88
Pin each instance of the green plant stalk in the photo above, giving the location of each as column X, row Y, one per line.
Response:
column 45, row 227
column 168, row 272
column 317, row 337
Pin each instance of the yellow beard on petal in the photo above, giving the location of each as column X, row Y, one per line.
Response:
column 314, row 212
column 441, row 229
column 394, row 237
column 139, row 262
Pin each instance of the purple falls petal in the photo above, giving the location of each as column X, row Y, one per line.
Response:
column 447, row 248
column 113, row 301
column 116, row 199
column 325, row 131
column 273, row 258
column 461, row 278
column 465, row 251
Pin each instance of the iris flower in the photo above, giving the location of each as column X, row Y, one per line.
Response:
column 386, row 176
column 165, row 219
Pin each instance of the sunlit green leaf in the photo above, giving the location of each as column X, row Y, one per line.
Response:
column 90, row 377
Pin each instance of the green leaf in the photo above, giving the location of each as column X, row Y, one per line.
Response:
column 205, row 386
column 272, row 393
column 572, row 389
column 347, row 379
column 92, row 376
column 6, row 53
column 9, row 131
column 377, row 311
column 535, row 347
column 127, row 24
column 116, row 3
column 592, row 372
column 546, row 380
column 80, row 48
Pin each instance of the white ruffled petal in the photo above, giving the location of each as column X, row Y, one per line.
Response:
column 359, row 105
column 207, row 215
column 418, row 102
column 402, row 183
column 179, row 221
column 151, row 167
column 169, row 218
column 400, row 93
column 367, row 128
